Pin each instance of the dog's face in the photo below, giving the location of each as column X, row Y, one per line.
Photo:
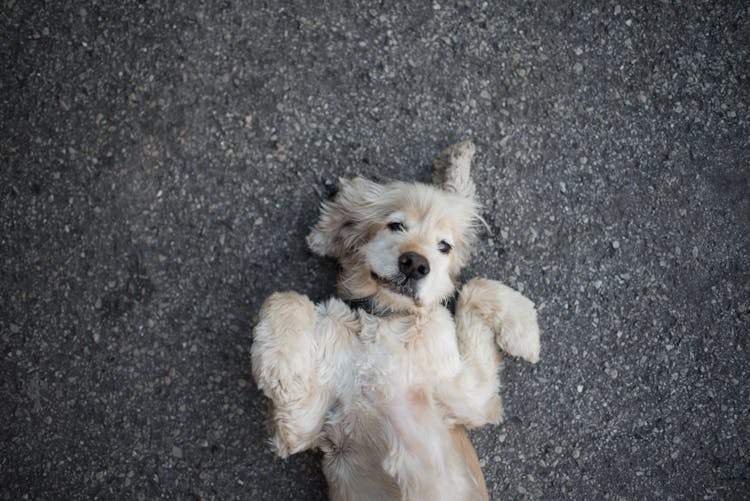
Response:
column 400, row 244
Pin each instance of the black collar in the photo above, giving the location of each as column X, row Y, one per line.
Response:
column 367, row 305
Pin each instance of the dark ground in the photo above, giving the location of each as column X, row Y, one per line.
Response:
column 162, row 162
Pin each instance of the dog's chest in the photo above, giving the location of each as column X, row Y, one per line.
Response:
column 404, row 353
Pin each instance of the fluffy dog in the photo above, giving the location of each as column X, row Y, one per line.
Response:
column 383, row 379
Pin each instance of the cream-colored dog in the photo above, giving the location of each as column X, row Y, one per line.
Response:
column 383, row 379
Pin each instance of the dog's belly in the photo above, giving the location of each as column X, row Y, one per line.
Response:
column 386, row 433
column 376, row 449
column 386, row 437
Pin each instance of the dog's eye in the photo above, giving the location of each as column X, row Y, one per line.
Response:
column 396, row 227
column 444, row 247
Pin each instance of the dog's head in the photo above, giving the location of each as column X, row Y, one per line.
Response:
column 400, row 244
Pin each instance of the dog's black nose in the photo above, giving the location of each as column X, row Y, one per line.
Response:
column 413, row 265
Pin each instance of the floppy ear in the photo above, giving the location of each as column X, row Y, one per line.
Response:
column 452, row 171
column 344, row 220
column 453, row 174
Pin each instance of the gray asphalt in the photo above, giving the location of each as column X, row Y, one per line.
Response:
column 163, row 161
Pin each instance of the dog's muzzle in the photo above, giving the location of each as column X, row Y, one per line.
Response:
column 400, row 284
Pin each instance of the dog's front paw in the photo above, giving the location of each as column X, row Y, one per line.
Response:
column 284, row 359
column 510, row 314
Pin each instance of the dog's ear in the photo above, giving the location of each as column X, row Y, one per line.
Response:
column 345, row 219
column 453, row 174
column 452, row 171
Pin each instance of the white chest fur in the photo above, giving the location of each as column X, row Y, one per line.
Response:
column 381, row 355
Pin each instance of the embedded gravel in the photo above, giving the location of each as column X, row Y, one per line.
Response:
column 163, row 161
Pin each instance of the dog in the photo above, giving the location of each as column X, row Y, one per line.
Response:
column 383, row 379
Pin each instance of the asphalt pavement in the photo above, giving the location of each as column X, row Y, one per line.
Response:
column 162, row 162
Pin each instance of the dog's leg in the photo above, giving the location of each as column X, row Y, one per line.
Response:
column 285, row 367
column 488, row 314
column 469, row 458
column 509, row 314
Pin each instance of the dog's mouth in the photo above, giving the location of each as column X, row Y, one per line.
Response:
column 400, row 284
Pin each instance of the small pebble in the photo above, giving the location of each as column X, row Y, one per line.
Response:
column 578, row 68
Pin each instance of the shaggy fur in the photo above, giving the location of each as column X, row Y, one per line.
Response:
column 386, row 395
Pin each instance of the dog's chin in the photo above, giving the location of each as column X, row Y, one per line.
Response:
column 398, row 285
